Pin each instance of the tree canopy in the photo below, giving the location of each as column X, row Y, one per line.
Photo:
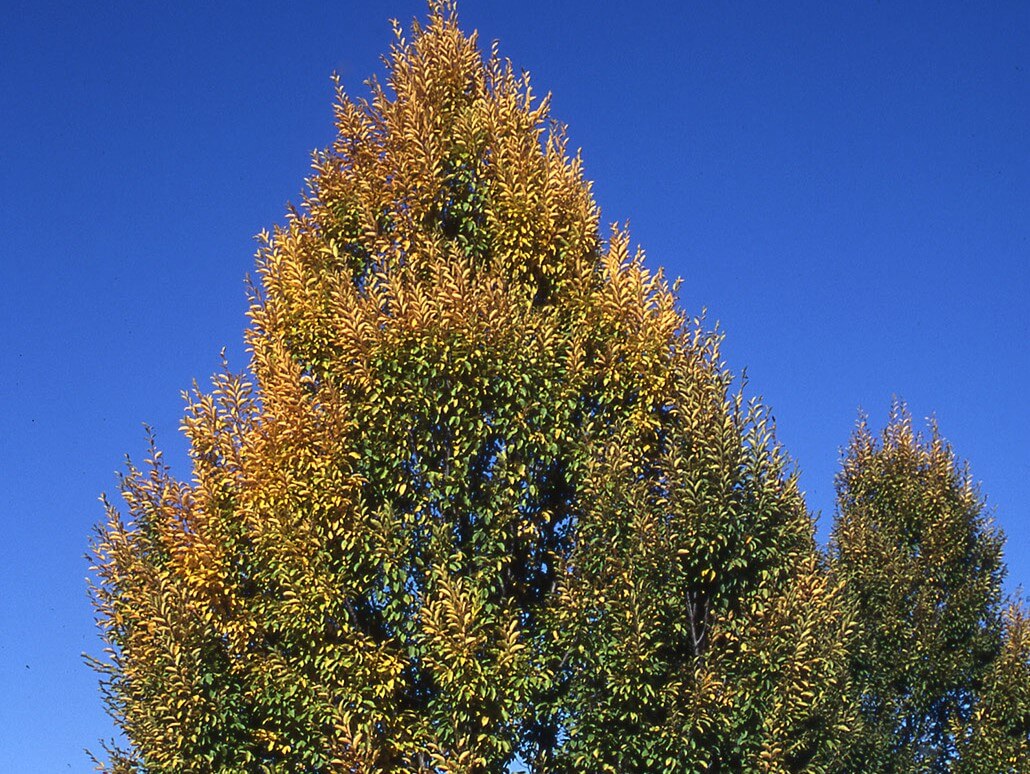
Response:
column 923, row 565
column 487, row 498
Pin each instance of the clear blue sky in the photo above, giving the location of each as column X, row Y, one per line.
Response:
column 845, row 186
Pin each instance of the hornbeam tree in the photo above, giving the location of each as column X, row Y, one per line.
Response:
column 921, row 563
column 486, row 497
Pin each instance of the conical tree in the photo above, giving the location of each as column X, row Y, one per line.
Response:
column 486, row 495
column 921, row 562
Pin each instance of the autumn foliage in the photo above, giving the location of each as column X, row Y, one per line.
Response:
column 922, row 564
column 487, row 498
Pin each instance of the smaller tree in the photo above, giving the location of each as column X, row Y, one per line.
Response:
column 922, row 564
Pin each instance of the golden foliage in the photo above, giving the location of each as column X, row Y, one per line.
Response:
column 485, row 493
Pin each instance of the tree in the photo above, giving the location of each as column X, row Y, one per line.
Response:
column 486, row 494
column 922, row 564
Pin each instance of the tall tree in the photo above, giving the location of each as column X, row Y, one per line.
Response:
column 487, row 495
column 922, row 564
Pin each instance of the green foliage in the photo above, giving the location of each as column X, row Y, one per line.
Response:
column 698, row 630
column 922, row 564
column 488, row 496
column 998, row 738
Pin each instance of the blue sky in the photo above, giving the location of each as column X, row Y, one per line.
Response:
column 845, row 187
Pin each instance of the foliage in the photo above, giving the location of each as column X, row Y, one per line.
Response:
column 998, row 739
column 488, row 498
column 922, row 564
column 698, row 629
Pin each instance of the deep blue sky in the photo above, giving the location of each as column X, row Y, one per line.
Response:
column 845, row 187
